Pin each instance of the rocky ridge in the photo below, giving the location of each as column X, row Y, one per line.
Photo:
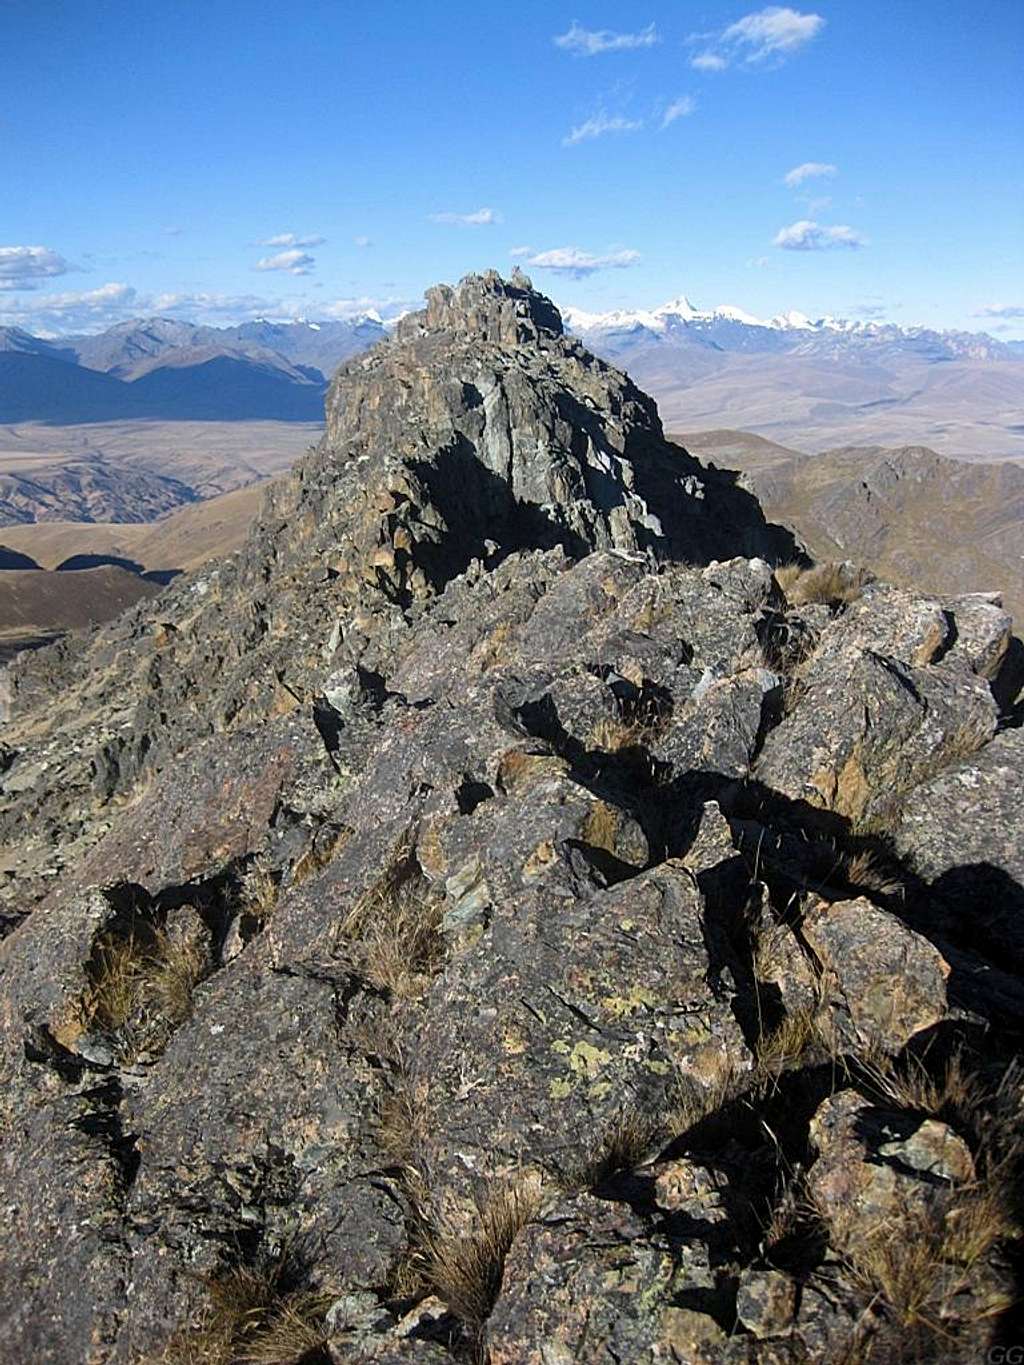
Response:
column 499, row 912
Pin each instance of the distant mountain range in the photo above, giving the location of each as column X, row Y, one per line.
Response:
column 819, row 383
column 813, row 382
column 163, row 368
column 678, row 325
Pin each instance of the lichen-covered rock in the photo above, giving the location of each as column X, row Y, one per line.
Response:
column 885, row 982
column 587, row 1282
column 878, row 1169
column 489, row 820
column 964, row 832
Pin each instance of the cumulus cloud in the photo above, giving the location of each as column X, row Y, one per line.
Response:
column 809, row 170
column 343, row 310
column 478, row 218
column 680, row 108
column 96, row 309
column 519, row 253
column 22, row 266
column 361, row 242
column 598, row 126
column 810, row 236
column 290, row 239
column 768, row 35
column 292, row 262
column 570, row 260
column 50, row 313
column 584, row 42
column 1001, row 310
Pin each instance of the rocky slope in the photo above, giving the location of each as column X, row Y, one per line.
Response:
column 914, row 517
column 486, row 917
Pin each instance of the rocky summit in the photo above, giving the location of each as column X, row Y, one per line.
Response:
column 518, row 909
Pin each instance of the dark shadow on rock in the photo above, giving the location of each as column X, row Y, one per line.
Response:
column 477, row 506
column 1008, row 685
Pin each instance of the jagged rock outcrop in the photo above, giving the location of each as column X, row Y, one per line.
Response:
column 472, row 917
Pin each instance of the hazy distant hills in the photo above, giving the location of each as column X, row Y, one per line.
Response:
column 909, row 514
column 811, row 382
column 130, row 348
column 160, row 368
column 819, row 383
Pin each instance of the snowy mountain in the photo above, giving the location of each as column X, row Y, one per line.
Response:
column 679, row 324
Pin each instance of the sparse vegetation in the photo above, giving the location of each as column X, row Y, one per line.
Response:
column 264, row 1314
column 464, row 1262
column 620, row 1146
column 141, row 986
column 955, row 1095
column 834, row 584
column 392, row 935
column 613, row 734
column 789, row 1044
column 258, row 890
column 601, row 826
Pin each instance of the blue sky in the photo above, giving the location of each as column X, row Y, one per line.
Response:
column 162, row 157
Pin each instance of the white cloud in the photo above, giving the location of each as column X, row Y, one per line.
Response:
column 809, row 236
column 49, row 313
column 679, row 108
column 598, row 126
column 1001, row 310
column 96, row 309
column 708, row 61
column 290, row 239
column 478, row 218
column 583, row 42
column 809, row 170
column 770, row 34
column 518, row 253
column 361, row 242
column 173, row 230
column 22, row 266
column 341, row 310
column 570, row 260
column 293, row 262
column 227, row 307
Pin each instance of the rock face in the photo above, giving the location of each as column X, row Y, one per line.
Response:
column 441, row 927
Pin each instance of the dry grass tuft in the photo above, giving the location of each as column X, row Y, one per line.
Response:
column 867, row 870
column 463, row 1265
column 935, row 1271
column 259, row 890
column 613, row 734
column 253, row 1316
column 799, row 1036
column 601, row 827
column 956, row 1095
column 832, row 583
column 922, row 1271
column 392, row 935
column 622, row 1146
column 141, row 987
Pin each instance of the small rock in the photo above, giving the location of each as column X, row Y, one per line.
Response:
column 766, row 1302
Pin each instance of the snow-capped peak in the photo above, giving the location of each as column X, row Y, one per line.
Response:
column 678, row 308
column 681, row 311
